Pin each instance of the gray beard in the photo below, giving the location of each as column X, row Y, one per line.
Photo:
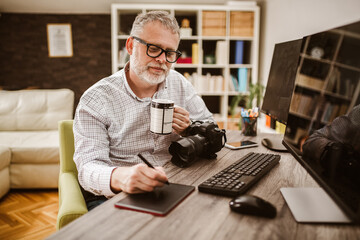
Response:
column 144, row 74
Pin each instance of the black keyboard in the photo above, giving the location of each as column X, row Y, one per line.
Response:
column 241, row 175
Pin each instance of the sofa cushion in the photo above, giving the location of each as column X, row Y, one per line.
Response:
column 4, row 181
column 35, row 109
column 34, row 175
column 32, row 146
column 5, row 156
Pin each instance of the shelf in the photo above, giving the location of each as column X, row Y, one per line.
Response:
column 300, row 115
column 211, row 93
column 240, row 65
column 331, row 62
column 337, row 95
column 241, row 38
column 316, row 59
column 347, row 66
column 189, row 38
column 185, row 65
column 214, row 66
column 308, row 87
column 233, row 93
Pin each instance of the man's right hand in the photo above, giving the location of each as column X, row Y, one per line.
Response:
column 137, row 179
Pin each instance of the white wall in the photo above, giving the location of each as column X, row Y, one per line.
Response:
column 284, row 20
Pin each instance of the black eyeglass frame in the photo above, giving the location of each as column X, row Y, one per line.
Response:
column 177, row 52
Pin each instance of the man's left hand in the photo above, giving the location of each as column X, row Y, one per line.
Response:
column 181, row 120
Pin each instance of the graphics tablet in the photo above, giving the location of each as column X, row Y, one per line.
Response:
column 159, row 202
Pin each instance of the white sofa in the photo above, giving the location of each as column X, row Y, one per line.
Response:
column 29, row 142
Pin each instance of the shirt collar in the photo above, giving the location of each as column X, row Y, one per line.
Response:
column 162, row 87
column 128, row 88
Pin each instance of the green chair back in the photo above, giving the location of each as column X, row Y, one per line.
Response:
column 71, row 201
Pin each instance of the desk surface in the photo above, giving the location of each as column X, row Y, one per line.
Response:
column 206, row 216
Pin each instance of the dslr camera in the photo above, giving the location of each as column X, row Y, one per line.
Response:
column 201, row 139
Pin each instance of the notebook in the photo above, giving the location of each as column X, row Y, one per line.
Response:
column 159, row 202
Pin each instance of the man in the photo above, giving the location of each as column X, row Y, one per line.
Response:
column 336, row 146
column 344, row 130
column 112, row 120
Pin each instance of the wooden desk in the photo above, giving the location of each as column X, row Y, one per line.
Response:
column 206, row 216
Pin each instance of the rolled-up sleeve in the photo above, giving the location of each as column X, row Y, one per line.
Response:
column 92, row 147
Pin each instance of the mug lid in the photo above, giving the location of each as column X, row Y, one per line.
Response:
column 162, row 103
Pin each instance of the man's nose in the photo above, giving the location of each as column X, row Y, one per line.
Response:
column 161, row 58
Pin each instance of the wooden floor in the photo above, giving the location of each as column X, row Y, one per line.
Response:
column 28, row 214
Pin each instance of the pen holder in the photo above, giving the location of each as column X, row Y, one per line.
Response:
column 249, row 126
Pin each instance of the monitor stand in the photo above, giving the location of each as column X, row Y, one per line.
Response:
column 274, row 144
column 313, row 205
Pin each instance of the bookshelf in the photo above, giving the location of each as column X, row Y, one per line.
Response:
column 327, row 83
column 222, row 40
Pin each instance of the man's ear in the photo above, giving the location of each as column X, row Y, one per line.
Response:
column 130, row 45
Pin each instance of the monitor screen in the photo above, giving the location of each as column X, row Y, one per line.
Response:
column 281, row 80
column 323, row 124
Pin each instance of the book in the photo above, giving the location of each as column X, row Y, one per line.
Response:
column 333, row 82
column 221, row 53
column 242, row 77
column 310, row 82
column 159, row 202
column 334, row 112
column 195, row 53
column 350, row 87
column 267, row 120
column 201, row 83
column 239, row 52
column 304, row 104
column 280, row 127
column 210, row 81
column 295, row 102
column 346, row 87
column 327, row 112
column 233, row 83
column 343, row 109
column 219, row 83
column 312, row 107
column 184, row 60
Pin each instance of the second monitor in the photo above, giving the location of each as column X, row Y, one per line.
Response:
column 280, row 86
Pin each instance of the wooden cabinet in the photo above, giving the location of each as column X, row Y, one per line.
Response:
column 221, row 45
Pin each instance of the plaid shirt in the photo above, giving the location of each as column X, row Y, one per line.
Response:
column 112, row 125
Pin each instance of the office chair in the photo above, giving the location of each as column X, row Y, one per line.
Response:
column 71, row 201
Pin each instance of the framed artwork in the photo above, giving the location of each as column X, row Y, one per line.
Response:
column 59, row 40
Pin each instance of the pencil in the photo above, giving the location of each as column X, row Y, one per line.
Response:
column 148, row 164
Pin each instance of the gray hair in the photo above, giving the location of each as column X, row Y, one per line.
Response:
column 163, row 17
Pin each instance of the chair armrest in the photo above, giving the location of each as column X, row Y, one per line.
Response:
column 73, row 205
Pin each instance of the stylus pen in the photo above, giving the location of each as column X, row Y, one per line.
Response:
column 149, row 164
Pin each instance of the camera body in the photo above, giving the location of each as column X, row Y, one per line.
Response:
column 202, row 139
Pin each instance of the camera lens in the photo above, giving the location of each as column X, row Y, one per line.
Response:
column 202, row 139
column 185, row 150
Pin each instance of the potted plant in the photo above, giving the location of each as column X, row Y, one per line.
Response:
column 248, row 101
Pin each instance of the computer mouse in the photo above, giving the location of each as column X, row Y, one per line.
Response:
column 274, row 145
column 253, row 205
column 266, row 142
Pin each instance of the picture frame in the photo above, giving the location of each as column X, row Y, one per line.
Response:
column 59, row 40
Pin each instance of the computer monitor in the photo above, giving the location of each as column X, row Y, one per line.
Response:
column 280, row 85
column 327, row 85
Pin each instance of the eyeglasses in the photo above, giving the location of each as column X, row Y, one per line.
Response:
column 155, row 51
